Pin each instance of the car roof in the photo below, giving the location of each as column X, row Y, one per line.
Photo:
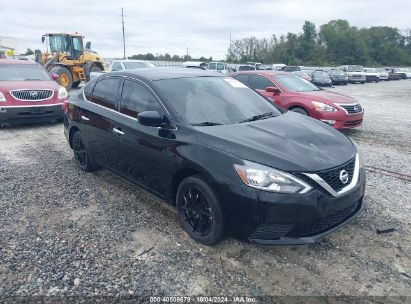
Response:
column 16, row 61
column 172, row 73
column 264, row 72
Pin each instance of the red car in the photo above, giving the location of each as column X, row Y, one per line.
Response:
column 28, row 93
column 293, row 93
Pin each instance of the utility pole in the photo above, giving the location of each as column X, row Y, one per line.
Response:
column 187, row 54
column 229, row 51
column 124, row 39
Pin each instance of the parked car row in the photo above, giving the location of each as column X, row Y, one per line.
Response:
column 347, row 74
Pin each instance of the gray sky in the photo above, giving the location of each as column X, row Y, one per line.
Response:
column 160, row 26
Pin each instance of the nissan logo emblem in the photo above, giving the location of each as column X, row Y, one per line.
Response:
column 344, row 176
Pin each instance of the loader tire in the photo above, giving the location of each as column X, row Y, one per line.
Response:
column 66, row 79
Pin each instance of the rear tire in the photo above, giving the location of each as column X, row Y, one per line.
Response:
column 300, row 111
column 66, row 79
column 199, row 212
column 82, row 155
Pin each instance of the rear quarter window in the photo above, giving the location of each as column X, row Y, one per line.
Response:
column 105, row 92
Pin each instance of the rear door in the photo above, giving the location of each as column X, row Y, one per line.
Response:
column 102, row 140
column 143, row 151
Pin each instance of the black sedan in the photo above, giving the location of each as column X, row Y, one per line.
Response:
column 321, row 78
column 231, row 162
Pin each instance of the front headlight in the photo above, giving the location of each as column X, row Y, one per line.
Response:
column 62, row 93
column 319, row 106
column 2, row 97
column 269, row 179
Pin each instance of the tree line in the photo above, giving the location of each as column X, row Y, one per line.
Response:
column 168, row 57
column 335, row 43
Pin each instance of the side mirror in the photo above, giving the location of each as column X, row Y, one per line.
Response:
column 55, row 76
column 88, row 45
column 273, row 90
column 149, row 118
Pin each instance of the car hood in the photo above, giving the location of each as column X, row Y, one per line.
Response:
column 6, row 86
column 289, row 142
column 326, row 97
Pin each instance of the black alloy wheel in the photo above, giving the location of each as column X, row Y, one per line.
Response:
column 81, row 154
column 199, row 212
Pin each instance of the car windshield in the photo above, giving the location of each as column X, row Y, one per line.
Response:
column 22, row 72
column 215, row 100
column 355, row 68
column 381, row 70
column 371, row 70
column 293, row 83
column 320, row 74
column 129, row 65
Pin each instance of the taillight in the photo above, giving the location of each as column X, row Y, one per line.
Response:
column 65, row 105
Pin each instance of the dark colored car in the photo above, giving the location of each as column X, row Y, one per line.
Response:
column 290, row 68
column 231, row 162
column 290, row 92
column 392, row 74
column 28, row 93
column 338, row 76
column 321, row 78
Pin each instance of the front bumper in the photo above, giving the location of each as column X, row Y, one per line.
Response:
column 272, row 218
column 357, row 78
column 30, row 114
column 342, row 119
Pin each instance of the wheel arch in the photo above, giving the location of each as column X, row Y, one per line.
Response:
column 73, row 130
column 183, row 173
column 294, row 106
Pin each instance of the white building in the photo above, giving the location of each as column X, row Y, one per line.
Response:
column 8, row 47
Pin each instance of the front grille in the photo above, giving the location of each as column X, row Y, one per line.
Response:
column 32, row 95
column 352, row 108
column 326, row 223
column 332, row 176
column 270, row 231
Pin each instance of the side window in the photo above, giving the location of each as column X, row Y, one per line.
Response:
column 116, row 66
column 137, row 98
column 212, row 66
column 77, row 44
column 220, row 66
column 88, row 90
column 242, row 78
column 260, row 82
column 105, row 92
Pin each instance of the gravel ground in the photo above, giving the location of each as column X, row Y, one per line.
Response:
column 66, row 233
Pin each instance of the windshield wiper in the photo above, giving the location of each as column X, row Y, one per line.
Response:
column 32, row 79
column 258, row 117
column 206, row 123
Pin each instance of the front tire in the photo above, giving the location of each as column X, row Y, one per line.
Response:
column 300, row 111
column 199, row 212
column 81, row 154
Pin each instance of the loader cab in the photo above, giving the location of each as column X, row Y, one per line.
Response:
column 70, row 45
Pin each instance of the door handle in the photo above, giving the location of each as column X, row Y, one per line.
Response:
column 118, row 131
column 84, row 118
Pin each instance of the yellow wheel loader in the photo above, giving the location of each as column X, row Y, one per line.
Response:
column 67, row 58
